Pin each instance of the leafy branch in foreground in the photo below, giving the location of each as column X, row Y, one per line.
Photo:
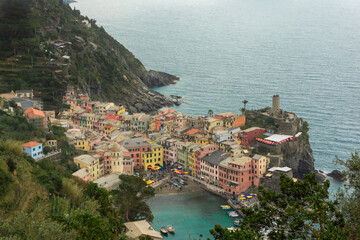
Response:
column 349, row 198
column 302, row 210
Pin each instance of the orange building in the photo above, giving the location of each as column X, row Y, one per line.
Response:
column 36, row 117
column 239, row 121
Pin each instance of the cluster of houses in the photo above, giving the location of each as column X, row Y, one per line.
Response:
column 216, row 148
column 213, row 148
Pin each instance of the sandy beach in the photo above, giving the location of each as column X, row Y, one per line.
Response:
column 167, row 189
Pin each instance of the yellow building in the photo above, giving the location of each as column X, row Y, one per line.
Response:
column 202, row 141
column 89, row 162
column 82, row 144
column 153, row 157
column 191, row 159
column 261, row 165
column 211, row 123
column 122, row 110
column 117, row 159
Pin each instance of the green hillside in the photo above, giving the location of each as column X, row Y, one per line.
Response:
column 45, row 46
column 42, row 200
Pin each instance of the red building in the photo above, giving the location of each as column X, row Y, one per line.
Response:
column 249, row 135
column 112, row 116
column 136, row 146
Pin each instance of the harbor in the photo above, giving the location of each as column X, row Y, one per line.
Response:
column 189, row 213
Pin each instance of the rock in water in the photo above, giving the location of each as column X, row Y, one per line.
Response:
column 337, row 175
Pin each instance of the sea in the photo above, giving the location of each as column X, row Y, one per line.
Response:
column 225, row 51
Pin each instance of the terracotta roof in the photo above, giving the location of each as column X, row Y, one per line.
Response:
column 31, row 112
column 31, row 144
column 193, row 131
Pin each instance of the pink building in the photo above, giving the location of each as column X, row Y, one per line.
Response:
column 209, row 166
column 128, row 165
column 107, row 162
column 204, row 151
column 94, row 142
column 237, row 174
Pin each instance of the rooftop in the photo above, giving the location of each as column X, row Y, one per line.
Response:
column 31, row 112
column 141, row 228
column 86, row 158
column 193, row 131
column 109, row 182
column 216, row 157
column 31, row 144
column 251, row 129
column 133, row 142
column 277, row 137
column 83, row 172
column 280, row 169
column 257, row 157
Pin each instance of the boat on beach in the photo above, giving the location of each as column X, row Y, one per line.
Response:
column 170, row 229
column 163, row 230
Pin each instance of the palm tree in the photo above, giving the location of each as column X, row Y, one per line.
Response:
column 245, row 102
column 210, row 112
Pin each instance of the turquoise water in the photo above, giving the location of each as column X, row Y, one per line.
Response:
column 189, row 213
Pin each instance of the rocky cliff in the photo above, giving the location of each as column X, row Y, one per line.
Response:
column 46, row 45
column 295, row 154
column 298, row 156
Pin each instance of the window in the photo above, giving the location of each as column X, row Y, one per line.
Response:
column 33, row 149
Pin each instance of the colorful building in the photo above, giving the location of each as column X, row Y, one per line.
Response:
column 33, row 149
column 209, row 166
column 82, row 144
column 89, row 162
column 136, row 146
column 153, row 157
column 36, row 117
column 249, row 135
column 237, row 174
column 204, row 151
column 211, row 123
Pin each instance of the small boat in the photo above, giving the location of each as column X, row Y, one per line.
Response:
column 163, row 230
column 170, row 229
column 225, row 207
column 231, row 212
column 234, row 215
column 237, row 222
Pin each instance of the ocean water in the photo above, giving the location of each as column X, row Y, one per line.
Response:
column 191, row 214
column 225, row 51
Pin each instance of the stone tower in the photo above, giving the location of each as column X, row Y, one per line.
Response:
column 276, row 104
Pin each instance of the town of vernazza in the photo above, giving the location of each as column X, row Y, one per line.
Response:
column 247, row 128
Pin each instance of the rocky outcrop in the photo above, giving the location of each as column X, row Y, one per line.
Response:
column 158, row 79
column 337, row 175
column 294, row 154
column 298, row 156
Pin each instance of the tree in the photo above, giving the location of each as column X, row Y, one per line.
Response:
column 220, row 233
column 245, row 102
column 210, row 113
column 130, row 198
column 302, row 210
column 349, row 198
